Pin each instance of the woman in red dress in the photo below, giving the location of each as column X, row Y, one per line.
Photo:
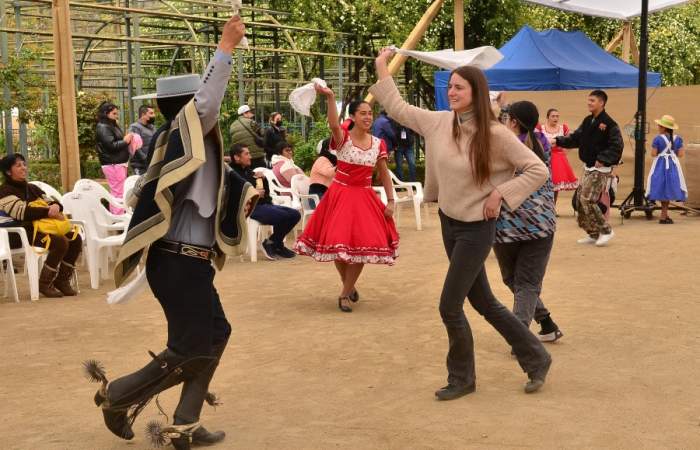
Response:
column 351, row 226
column 563, row 177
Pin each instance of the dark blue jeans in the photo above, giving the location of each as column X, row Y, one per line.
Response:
column 409, row 155
column 281, row 218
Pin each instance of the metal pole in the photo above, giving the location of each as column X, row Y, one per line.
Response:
column 340, row 73
column 241, row 85
column 5, row 90
column 276, row 65
column 18, row 47
column 641, row 116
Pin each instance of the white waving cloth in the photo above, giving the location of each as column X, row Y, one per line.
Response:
column 303, row 97
column 481, row 57
column 129, row 290
column 237, row 5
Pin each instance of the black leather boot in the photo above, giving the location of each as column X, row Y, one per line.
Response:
column 194, row 393
column 124, row 398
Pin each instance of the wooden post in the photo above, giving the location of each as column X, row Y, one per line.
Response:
column 412, row 39
column 459, row 25
column 626, row 41
column 65, row 94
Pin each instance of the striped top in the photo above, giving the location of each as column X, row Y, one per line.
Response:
column 536, row 217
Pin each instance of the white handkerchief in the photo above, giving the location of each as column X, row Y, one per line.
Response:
column 237, row 5
column 303, row 97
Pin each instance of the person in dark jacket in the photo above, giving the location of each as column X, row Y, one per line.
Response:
column 112, row 150
column 600, row 145
column 405, row 149
column 282, row 219
column 15, row 196
column 275, row 134
column 383, row 129
column 145, row 128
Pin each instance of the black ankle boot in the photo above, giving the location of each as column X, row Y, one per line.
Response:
column 203, row 437
column 124, row 398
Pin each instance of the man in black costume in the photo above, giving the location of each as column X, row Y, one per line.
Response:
column 189, row 211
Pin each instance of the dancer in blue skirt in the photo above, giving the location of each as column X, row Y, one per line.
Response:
column 666, row 182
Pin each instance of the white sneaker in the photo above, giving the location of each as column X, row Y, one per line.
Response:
column 603, row 239
column 587, row 240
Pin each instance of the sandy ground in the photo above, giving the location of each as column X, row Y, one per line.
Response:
column 298, row 374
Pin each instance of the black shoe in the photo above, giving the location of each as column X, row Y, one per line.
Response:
column 355, row 296
column 344, row 307
column 550, row 331
column 284, row 252
column 537, row 378
column 202, row 437
column 268, row 249
column 451, row 391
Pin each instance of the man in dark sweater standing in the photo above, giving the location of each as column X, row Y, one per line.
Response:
column 600, row 145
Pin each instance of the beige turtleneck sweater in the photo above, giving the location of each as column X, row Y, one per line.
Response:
column 448, row 171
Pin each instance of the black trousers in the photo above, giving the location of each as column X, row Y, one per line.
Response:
column 467, row 245
column 184, row 286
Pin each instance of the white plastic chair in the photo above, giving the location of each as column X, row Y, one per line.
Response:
column 379, row 190
column 49, row 190
column 409, row 192
column 88, row 185
column 88, row 208
column 257, row 232
column 6, row 258
column 280, row 195
column 33, row 260
column 308, row 203
column 129, row 184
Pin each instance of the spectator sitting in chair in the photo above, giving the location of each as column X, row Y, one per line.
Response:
column 282, row 219
column 323, row 170
column 15, row 198
column 283, row 164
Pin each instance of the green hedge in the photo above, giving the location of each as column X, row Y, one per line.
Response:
column 50, row 172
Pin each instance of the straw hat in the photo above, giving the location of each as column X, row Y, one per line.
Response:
column 667, row 122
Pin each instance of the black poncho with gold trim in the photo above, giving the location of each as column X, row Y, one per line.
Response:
column 177, row 153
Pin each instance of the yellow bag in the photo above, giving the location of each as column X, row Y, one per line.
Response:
column 50, row 226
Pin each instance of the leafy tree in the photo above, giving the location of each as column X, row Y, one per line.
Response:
column 24, row 84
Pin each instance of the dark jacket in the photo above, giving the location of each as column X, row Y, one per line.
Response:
column 383, row 129
column 14, row 201
column 597, row 139
column 273, row 136
column 138, row 161
column 246, row 132
column 111, row 147
column 248, row 175
column 401, row 131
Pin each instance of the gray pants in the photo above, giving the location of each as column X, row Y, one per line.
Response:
column 523, row 265
column 467, row 245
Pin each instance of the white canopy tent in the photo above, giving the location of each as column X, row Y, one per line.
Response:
column 612, row 9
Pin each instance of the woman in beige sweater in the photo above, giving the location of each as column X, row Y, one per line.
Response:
column 471, row 160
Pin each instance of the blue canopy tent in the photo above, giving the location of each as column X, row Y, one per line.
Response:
column 552, row 60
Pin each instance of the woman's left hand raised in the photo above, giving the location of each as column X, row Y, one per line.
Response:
column 492, row 207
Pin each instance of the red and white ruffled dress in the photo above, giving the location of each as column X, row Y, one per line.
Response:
column 349, row 224
column 563, row 176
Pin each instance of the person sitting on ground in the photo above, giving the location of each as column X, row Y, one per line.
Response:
column 282, row 219
column 15, row 198
column 283, row 164
column 323, row 170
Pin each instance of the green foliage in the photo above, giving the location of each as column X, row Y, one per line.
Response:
column 305, row 151
column 86, row 108
column 49, row 171
column 24, row 84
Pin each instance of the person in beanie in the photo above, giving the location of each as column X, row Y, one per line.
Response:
column 525, row 235
column 15, row 198
column 186, row 216
column 246, row 131
column 600, row 146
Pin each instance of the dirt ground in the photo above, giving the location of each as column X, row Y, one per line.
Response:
column 298, row 374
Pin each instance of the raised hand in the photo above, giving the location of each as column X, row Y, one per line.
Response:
column 385, row 55
column 324, row 90
column 232, row 33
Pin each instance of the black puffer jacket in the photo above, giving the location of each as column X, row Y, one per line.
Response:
column 597, row 139
column 111, row 147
